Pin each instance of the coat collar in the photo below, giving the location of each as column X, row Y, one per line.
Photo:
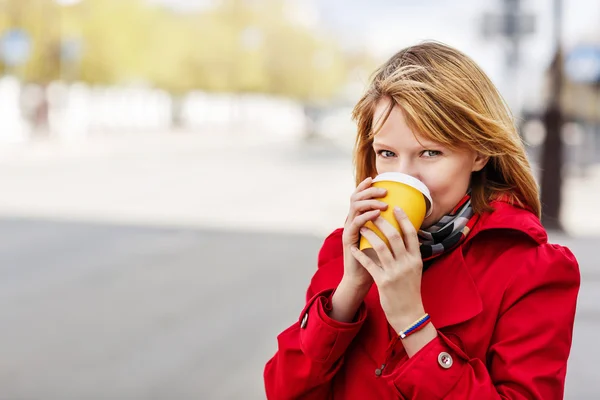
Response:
column 507, row 216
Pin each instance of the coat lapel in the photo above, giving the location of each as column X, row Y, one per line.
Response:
column 448, row 291
column 449, row 296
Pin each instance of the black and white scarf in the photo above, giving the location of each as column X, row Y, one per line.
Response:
column 449, row 231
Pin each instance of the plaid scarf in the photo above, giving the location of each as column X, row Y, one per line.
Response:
column 449, row 231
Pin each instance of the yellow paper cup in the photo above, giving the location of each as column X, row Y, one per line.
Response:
column 406, row 192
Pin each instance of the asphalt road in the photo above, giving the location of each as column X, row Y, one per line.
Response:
column 117, row 312
column 92, row 311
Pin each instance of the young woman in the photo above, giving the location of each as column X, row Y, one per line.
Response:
column 476, row 304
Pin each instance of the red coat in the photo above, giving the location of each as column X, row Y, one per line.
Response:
column 503, row 303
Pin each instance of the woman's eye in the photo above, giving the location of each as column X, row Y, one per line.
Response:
column 430, row 153
column 385, row 153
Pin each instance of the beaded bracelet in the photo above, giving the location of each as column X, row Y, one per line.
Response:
column 415, row 326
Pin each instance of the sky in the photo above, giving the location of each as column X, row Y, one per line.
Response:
column 385, row 26
column 388, row 26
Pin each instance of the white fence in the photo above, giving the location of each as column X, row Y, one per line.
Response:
column 77, row 110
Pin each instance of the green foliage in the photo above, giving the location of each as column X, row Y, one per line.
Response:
column 237, row 46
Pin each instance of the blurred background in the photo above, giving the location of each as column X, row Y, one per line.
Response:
column 169, row 169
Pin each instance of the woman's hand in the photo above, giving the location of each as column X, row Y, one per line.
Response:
column 398, row 278
column 356, row 281
column 363, row 208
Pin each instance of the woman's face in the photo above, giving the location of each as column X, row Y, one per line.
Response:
column 446, row 172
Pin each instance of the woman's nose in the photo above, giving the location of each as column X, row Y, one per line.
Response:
column 408, row 168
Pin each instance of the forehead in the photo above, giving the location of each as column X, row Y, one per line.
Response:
column 395, row 128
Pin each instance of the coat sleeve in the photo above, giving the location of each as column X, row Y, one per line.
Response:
column 310, row 352
column 527, row 357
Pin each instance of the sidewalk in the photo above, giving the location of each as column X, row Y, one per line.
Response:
column 241, row 182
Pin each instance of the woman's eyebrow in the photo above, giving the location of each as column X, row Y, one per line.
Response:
column 380, row 143
column 418, row 146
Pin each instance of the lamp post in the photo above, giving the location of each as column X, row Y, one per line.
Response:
column 552, row 155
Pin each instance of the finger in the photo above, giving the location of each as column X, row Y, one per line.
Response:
column 409, row 233
column 368, row 205
column 361, row 220
column 373, row 269
column 385, row 255
column 364, row 184
column 393, row 236
column 369, row 193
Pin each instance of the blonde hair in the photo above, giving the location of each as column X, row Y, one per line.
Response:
column 448, row 99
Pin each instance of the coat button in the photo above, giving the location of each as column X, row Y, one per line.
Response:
column 445, row 360
column 304, row 321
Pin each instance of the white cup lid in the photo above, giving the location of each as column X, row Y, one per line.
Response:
column 410, row 181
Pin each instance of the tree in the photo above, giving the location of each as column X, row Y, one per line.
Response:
column 236, row 46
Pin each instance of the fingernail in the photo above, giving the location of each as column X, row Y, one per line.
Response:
column 362, row 230
column 399, row 210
